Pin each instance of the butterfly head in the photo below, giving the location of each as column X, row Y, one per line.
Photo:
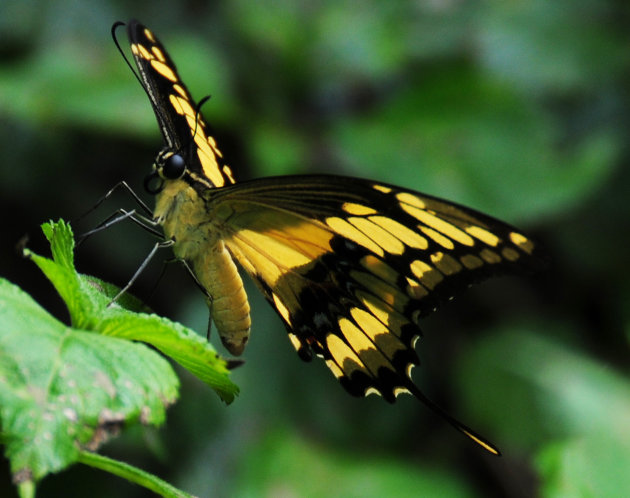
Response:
column 168, row 165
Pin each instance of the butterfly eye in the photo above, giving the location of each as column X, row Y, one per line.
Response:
column 153, row 183
column 174, row 167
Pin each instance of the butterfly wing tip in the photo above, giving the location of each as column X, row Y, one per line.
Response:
column 485, row 444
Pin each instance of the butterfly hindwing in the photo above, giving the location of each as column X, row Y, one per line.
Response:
column 183, row 127
column 351, row 265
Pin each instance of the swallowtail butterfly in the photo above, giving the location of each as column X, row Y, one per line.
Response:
column 349, row 265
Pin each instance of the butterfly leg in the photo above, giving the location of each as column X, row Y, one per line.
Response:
column 205, row 291
column 158, row 245
column 209, row 331
column 109, row 193
column 121, row 215
column 144, row 221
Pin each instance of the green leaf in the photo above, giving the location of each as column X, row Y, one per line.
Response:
column 89, row 304
column 65, row 389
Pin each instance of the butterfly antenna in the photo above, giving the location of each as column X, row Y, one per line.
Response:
column 125, row 186
column 198, row 113
column 115, row 26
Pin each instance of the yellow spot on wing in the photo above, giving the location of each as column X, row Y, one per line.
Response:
column 377, row 311
column 354, row 336
column 471, row 261
column 379, row 268
column 401, row 390
column 378, row 333
column 282, row 309
column 344, row 357
column 213, row 144
column 141, row 51
column 407, row 198
column 428, row 276
column 415, row 289
column 439, row 224
column 337, row 372
column 179, row 89
column 345, row 229
column 358, row 209
column 406, row 235
column 522, row 241
column 490, row 256
column 178, row 103
column 382, row 188
column 149, row 35
column 371, row 357
column 163, row 69
column 188, row 111
column 510, row 254
column 389, row 317
column 445, row 263
column 483, row 235
column 386, row 292
column 309, row 240
column 158, row 53
column 382, row 237
column 228, row 172
column 437, row 237
column 409, row 369
column 295, row 341
column 208, row 161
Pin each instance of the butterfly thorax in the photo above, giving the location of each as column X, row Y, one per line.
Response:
column 184, row 219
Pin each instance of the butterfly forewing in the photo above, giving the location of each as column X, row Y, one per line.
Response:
column 183, row 127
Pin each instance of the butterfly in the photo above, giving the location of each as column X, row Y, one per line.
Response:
column 350, row 265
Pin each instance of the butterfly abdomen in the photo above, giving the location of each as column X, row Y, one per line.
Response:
column 229, row 308
column 185, row 220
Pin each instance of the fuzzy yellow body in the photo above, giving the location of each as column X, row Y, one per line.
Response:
column 186, row 221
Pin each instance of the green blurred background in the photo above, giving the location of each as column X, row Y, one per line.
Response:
column 517, row 108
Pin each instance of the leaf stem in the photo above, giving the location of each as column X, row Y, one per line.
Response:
column 132, row 474
column 26, row 489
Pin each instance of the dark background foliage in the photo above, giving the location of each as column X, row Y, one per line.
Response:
column 519, row 109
